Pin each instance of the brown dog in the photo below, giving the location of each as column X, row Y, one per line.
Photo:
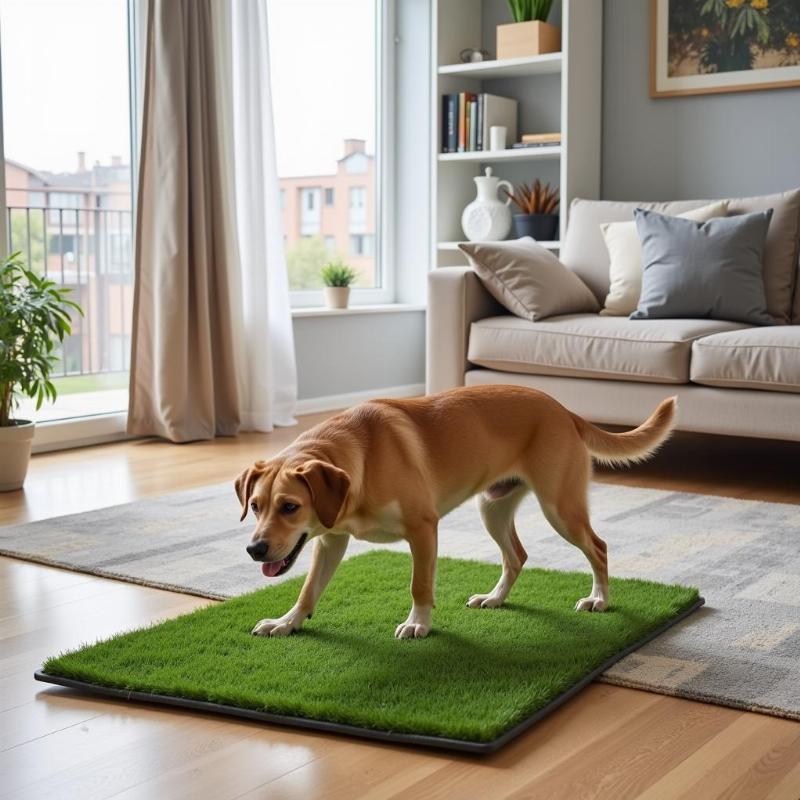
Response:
column 391, row 469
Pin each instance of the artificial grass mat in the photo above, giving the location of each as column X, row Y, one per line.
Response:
column 479, row 676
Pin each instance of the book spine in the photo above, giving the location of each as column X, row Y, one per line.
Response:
column 453, row 130
column 449, row 133
column 462, row 121
column 473, row 125
column 443, row 144
column 479, row 145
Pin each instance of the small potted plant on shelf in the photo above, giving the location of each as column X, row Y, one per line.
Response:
column 538, row 204
column 530, row 34
column 34, row 316
column 337, row 277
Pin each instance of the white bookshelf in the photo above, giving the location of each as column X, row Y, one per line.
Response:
column 493, row 156
column 546, row 64
column 555, row 245
column 555, row 91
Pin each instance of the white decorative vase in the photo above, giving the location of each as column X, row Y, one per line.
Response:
column 487, row 218
column 337, row 296
column 15, row 446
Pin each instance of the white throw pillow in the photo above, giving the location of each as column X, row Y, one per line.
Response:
column 625, row 250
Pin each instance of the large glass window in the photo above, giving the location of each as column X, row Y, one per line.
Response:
column 66, row 130
column 325, row 66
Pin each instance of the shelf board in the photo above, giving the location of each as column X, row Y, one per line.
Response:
column 554, row 245
column 520, row 154
column 506, row 68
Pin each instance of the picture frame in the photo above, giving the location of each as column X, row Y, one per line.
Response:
column 712, row 46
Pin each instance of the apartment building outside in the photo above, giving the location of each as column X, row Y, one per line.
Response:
column 76, row 227
column 331, row 216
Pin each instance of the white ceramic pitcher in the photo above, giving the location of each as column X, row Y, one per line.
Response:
column 487, row 218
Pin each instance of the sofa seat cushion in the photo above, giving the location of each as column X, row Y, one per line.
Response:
column 754, row 358
column 588, row 345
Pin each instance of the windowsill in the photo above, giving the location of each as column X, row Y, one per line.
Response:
column 384, row 308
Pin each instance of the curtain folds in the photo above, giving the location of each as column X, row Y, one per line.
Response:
column 212, row 348
column 269, row 390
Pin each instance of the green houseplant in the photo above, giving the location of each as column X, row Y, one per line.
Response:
column 530, row 34
column 337, row 277
column 538, row 205
column 34, row 317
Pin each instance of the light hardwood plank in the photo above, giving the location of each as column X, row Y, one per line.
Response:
column 607, row 742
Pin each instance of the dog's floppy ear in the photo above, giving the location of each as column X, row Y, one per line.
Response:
column 328, row 486
column 244, row 485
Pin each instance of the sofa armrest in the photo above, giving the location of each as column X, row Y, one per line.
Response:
column 456, row 299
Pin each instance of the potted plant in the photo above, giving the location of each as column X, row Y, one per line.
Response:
column 530, row 34
column 34, row 316
column 337, row 277
column 538, row 203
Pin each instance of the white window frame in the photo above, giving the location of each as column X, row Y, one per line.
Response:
column 384, row 294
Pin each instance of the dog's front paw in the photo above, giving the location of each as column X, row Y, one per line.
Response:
column 485, row 601
column 411, row 630
column 591, row 604
column 283, row 626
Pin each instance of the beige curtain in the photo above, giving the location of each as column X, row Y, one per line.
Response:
column 183, row 383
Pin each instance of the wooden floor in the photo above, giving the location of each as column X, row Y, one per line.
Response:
column 606, row 743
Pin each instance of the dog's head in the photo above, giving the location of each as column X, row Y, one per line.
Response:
column 291, row 503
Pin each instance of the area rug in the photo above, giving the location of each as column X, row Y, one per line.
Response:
column 742, row 649
column 478, row 680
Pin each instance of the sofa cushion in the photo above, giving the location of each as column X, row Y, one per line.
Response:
column 585, row 253
column 625, row 251
column 754, row 358
column 588, row 345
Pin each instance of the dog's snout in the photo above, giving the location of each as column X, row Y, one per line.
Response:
column 257, row 550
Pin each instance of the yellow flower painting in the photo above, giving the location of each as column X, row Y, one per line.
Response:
column 724, row 45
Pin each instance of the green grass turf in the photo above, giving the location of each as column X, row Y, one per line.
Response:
column 477, row 674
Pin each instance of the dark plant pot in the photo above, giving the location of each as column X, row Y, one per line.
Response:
column 542, row 227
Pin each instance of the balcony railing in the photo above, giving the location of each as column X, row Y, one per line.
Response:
column 89, row 250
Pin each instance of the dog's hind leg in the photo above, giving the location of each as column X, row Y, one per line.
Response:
column 563, row 496
column 498, row 518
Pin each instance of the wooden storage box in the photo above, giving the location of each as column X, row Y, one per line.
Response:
column 521, row 39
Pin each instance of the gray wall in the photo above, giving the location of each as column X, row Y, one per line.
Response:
column 687, row 147
column 359, row 352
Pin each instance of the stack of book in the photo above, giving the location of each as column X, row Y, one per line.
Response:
column 467, row 118
column 539, row 140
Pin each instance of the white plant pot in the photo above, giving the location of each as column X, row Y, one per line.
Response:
column 337, row 296
column 15, row 445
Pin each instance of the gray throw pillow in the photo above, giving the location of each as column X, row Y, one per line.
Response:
column 703, row 269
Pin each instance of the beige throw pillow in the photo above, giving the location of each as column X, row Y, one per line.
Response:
column 528, row 279
column 625, row 251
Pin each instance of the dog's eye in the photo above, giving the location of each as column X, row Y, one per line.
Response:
column 289, row 508
column 254, row 507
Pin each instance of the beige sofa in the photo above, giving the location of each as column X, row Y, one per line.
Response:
column 730, row 378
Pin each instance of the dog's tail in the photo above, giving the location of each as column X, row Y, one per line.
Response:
column 630, row 446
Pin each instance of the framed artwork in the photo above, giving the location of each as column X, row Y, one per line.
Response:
column 707, row 46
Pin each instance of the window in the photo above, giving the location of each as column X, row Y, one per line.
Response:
column 310, row 211
column 66, row 143
column 61, row 205
column 333, row 50
column 361, row 245
column 357, row 217
column 64, row 243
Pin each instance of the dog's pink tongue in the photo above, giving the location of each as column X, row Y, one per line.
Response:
column 272, row 568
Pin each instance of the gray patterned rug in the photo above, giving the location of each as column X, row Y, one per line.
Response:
column 742, row 649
